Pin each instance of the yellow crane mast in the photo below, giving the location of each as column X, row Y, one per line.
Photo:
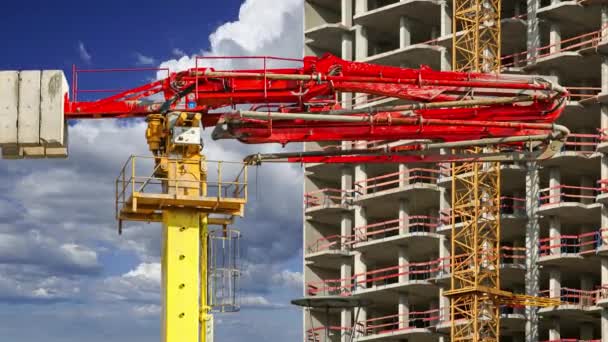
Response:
column 187, row 194
column 475, row 294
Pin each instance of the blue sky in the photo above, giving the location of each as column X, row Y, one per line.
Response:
column 62, row 264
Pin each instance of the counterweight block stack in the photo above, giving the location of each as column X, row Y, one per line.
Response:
column 32, row 123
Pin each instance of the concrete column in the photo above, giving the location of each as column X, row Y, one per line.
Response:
column 587, row 185
column 360, row 174
column 361, row 41
column 404, row 216
column 586, row 332
column 360, row 268
column 445, row 205
column 445, row 20
column 604, row 21
column 554, row 184
column 555, row 283
column 604, row 263
column 555, row 232
column 347, row 45
column 346, row 230
column 360, row 223
column 554, row 330
column 346, row 12
column 404, row 175
column 405, row 32
column 604, row 325
column 346, row 316
column 532, row 276
column 444, row 306
column 404, row 311
column 555, row 37
column 346, row 181
column 404, row 262
column 533, row 38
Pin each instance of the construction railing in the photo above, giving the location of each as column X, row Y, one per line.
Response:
column 567, row 193
column 510, row 205
column 583, row 93
column 578, row 43
column 396, row 180
column 318, row 334
column 139, row 176
column 412, row 224
column 392, row 323
column 326, row 198
column 582, row 244
column 330, row 287
column 582, row 143
column 569, row 296
column 512, row 255
column 330, row 243
column 571, row 340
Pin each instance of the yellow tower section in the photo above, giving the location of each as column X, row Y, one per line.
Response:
column 187, row 193
column 475, row 284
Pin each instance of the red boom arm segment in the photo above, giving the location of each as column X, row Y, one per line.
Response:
column 300, row 104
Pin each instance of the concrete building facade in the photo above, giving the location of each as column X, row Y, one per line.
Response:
column 382, row 231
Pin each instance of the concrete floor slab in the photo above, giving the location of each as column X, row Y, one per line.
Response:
column 573, row 212
column 410, row 334
column 329, row 259
column 386, row 18
column 385, row 249
column 329, row 214
column 422, row 195
column 572, row 313
column 575, row 67
column 419, row 292
column 574, row 17
column 324, row 172
column 587, row 163
column 326, row 37
column 412, row 56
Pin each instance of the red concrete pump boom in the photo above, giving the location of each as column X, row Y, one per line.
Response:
column 444, row 109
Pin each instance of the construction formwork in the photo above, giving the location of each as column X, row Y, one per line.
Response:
column 382, row 231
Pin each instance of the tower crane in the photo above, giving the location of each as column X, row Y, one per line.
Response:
column 438, row 111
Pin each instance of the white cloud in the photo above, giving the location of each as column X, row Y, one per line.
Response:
column 141, row 284
column 263, row 28
column 84, row 53
column 144, row 60
column 178, row 52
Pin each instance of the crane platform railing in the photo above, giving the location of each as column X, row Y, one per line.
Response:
column 141, row 194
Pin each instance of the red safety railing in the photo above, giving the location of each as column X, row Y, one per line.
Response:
column 333, row 242
column 330, row 287
column 582, row 244
column 413, row 224
column 583, row 93
column 603, row 183
column 318, row 334
column 392, row 323
column 578, row 43
column 510, row 205
column 326, row 197
column 569, row 296
column 571, row 340
column 512, row 255
column 568, row 193
column 582, row 143
column 397, row 179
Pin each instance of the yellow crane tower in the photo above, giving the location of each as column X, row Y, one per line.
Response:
column 475, row 294
column 187, row 194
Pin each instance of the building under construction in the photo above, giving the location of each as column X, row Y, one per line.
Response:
column 382, row 231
